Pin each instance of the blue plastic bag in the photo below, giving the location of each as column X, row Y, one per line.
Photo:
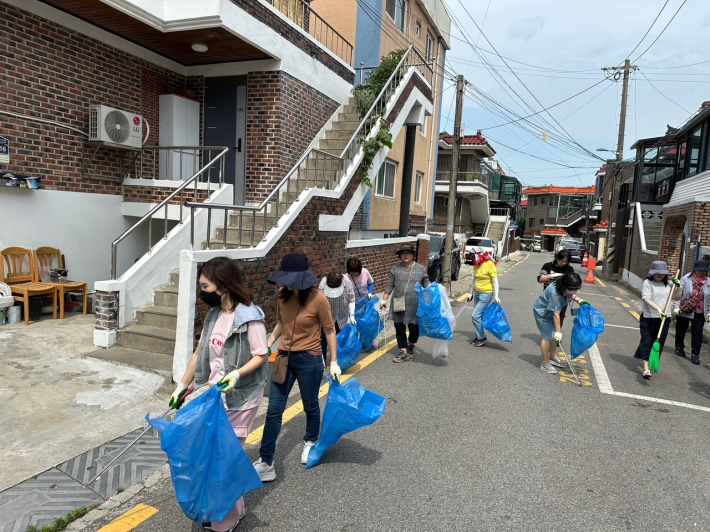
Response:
column 349, row 406
column 433, row 321
column 369, row 324
column 588, row 325
column 349, row 347
column 495, row 321
column 209, row 468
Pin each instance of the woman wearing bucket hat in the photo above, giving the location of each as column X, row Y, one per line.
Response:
column 301, row 312
column 341, row 298
column 231, row 354
column 400, row 286
column 655, row 292
column 694, row 309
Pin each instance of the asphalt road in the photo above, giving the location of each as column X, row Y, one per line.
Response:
column 487, row 441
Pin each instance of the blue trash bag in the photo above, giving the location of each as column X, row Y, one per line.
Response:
column 349, row 347
column 588, row 325
column 209, row 468
column 495, row 321
column 369, row 324
column 433, row 321
column 349, row 406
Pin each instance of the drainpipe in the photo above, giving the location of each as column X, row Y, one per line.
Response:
column 407, row 170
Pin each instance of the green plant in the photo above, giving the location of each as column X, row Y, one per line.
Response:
column 119, row 490
column 371, row 146
column 62, row 522
column 377, row 78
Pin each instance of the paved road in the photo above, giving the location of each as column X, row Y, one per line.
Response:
column 487, row 441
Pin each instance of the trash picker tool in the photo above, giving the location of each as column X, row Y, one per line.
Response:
column 655, row 357
column 180, row 401
column 569, row 363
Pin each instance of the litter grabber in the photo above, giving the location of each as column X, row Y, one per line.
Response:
column 181, row 399
column 569, row 363
column 654, row 357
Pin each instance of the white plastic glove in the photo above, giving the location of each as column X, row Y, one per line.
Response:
column 227, row 382
column 352, row 320
column 175, row 397
column 677, row 312
column 707, row 317
column 369, row 296
column 497, row 300
column 335, row 371
column 557, row 337
column 556, row 275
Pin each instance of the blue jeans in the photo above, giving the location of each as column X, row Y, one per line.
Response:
column 480, row 301
column 307, row 369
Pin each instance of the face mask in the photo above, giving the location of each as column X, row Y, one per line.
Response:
column 211, row 299
column 571, row 292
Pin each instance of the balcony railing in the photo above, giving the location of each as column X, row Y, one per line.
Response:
column 465, row 177
column 311, row 22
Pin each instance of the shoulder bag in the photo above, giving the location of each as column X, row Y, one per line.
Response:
column 688, row 304
column 281, row 364
column 399, row 304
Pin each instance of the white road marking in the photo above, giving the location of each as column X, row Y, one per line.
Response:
column 663, row 401
column 600, row 371
column 621, row 326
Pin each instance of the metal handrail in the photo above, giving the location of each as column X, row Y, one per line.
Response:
column 369, row 121
column 310, row 21
column 164, row 203
column 570, row 216
column 364, row 129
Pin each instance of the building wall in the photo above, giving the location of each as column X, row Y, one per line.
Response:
column 342, row 15
column 283, row 117
column 53, row 72
column 536, row 212
column 697, row 217
column 384, row 213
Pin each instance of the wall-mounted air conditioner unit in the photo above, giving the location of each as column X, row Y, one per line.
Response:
column 115, row 127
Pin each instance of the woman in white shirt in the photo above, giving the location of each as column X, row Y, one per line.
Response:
column 655, row 292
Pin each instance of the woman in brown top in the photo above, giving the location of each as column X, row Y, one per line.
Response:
column 301, row 311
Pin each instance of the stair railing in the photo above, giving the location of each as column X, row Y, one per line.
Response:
column 179, row 191
column 330, row 163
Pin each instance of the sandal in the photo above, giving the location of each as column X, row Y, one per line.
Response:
column 547, row 368
column 557, row 363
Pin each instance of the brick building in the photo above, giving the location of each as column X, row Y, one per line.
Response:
column 555, row 212
column 666, row 208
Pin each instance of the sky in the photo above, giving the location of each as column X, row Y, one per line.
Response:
column 567, row 44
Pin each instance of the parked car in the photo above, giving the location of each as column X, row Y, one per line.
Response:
column 537, row 247
column 435, row 266
column 576, row 250
column 565, row 243
column 485, row 244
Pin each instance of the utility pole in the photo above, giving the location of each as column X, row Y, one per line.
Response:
column 451, row 213
column 616, row 168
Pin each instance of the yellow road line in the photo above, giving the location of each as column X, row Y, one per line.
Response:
column 601, row 283
column 130, row 520
column 617, row 298
column 635, row 314
column 291, row 412
column 463, row 297
column 626, row 305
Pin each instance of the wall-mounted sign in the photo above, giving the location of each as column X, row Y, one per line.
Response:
column 4, row 151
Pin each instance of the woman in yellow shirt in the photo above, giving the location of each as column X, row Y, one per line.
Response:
column 484, row 289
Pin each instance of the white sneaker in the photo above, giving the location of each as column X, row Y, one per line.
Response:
column 306, row 449
column 266, row 472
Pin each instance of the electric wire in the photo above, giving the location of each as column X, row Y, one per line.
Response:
column 648, row 30
column 666, row 97
column 662, row 31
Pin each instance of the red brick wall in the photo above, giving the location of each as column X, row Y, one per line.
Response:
column 148, row 194
column 56, row 73
column 284, row 116
column 674, row 218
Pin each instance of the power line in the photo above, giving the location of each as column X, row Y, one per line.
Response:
column 674, row 67
column 666, row 97
column 648, row 30
column 662, row 31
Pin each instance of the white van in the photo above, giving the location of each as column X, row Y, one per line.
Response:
column 483, row 243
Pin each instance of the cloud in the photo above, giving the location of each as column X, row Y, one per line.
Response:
column 526, row 28
column 705, row 22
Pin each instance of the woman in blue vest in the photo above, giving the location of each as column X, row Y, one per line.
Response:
column 231, row 353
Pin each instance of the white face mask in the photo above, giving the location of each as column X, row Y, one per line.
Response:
column 571, row 292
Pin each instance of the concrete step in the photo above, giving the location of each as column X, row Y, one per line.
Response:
column 175, row 278
column 350, row 116
column 145, row 338
column 258, row 222
column 233, row 234
column 214, row 245
column 333, row 145
column 166, row 296
column 162, row 317
column 350, row 108
column 345, row 134
column 345, row 125
column 156, row 362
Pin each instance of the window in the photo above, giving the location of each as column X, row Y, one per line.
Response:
column 429, row 46
column 418, row 187
column 694, row 149
column 385, row 180
column 396, row 9
column 532, row 222
column 423, row 127
column 542, row 201
column 552, row 212
column 418, row 29
column 534, row 201
column 542, row 221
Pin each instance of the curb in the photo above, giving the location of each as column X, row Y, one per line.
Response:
column 119, row 499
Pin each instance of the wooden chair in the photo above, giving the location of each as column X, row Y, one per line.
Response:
column 46, row 257
column 22, row 282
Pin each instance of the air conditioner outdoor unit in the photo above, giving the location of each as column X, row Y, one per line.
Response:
column 114, row 126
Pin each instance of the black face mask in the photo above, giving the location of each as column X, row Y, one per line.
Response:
column 212, row 299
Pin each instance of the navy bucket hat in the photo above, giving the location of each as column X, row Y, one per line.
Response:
column 700, row 266
column 295, row 272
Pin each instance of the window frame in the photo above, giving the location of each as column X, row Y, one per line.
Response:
column 429, row 50
column 393, row 15
column 418, row 187
column 380, row 173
